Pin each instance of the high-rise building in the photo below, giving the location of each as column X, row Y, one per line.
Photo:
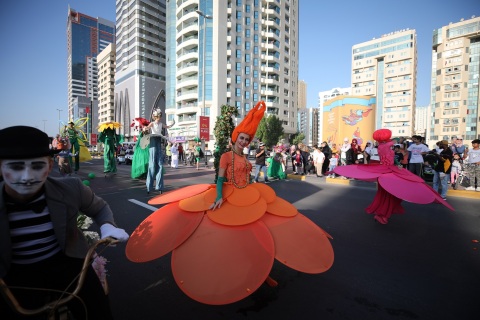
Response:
column 302, row 94
column 140, row 64
column 234, row 52
column 106, row 84
column 422, row 121
column 387, row 69
column 455, row 74
column 86, row 38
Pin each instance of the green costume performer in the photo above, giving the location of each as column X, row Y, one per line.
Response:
column 110, row 140
column 72, row 135
column 140, row 160
column 275, row 169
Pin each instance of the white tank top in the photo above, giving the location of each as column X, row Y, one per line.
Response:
column 156, row 128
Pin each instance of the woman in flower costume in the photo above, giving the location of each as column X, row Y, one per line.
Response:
column 394, row 184
column 111, row 140
column 225, row 237
column 141, row 155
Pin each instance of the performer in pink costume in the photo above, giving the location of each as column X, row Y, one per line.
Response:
column 394, row 184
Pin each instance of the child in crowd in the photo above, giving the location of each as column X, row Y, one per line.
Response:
column 456, row 168
column 397, row 156
column 333, row 165
column 298, row 162
column 64, row 156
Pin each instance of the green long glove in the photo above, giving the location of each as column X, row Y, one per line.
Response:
column 220, row 182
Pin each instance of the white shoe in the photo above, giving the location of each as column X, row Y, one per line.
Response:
column 470, row 189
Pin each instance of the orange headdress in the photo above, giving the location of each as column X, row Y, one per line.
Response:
column 250, row 123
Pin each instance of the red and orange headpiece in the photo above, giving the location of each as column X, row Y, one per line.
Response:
column 250, row 123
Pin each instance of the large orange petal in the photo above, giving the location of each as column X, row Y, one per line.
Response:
column 195, row 203
column 244, row 197
column 232, row 215
column 180, row 194
column 161, row 232
column 282, row 208
column 300, row 244
column 266, row 192
column 219, row 265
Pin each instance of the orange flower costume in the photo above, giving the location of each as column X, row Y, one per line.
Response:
column 221, row 256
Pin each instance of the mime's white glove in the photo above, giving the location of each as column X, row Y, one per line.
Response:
column 108, row 230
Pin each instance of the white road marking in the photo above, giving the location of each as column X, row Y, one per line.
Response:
column 141, row 204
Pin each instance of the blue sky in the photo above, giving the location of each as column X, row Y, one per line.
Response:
column 33, row 77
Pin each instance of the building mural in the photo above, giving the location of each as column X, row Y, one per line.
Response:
column 349, row 117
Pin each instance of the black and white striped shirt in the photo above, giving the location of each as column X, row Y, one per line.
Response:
column 31, row 231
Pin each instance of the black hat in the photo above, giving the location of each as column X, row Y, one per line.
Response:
column 22, row 142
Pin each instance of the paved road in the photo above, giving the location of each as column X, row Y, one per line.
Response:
column 423, row 265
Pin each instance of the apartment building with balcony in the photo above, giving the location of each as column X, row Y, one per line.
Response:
column 386, row 68
column 455, row 74
column 234, row 52
column 106, row 84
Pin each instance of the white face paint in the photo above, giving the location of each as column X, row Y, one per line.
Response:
column 25, row 177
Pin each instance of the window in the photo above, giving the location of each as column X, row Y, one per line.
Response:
column 238, row 92
column 238, row 53
column 247, row 70
column 255, row 97
column 239, row 27
column 255, row 86
column 238, row 41
column 238, row 66
column 247, row 8
column 238, row 79
column 255, row 72
column 255, row 38
column 247, row 57
column 247, row 45
column 247, row 82
column 247, row 95
column 247, row 33
column 239, row 15
column 247, row 21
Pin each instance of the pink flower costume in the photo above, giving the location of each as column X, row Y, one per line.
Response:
column 393, row 184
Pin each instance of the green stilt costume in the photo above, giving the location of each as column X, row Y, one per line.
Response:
column 73, row 137
column 110, row 140
column 140, row 160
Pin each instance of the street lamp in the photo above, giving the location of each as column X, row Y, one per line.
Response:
column 44, row 121
column 59, row 128
column 205, row 17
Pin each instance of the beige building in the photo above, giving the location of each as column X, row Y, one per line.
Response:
column 106, row 84
column 455, row 73
column 302, row 94
column 386, row 68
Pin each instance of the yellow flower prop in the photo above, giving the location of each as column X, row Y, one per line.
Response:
column 109, row 125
